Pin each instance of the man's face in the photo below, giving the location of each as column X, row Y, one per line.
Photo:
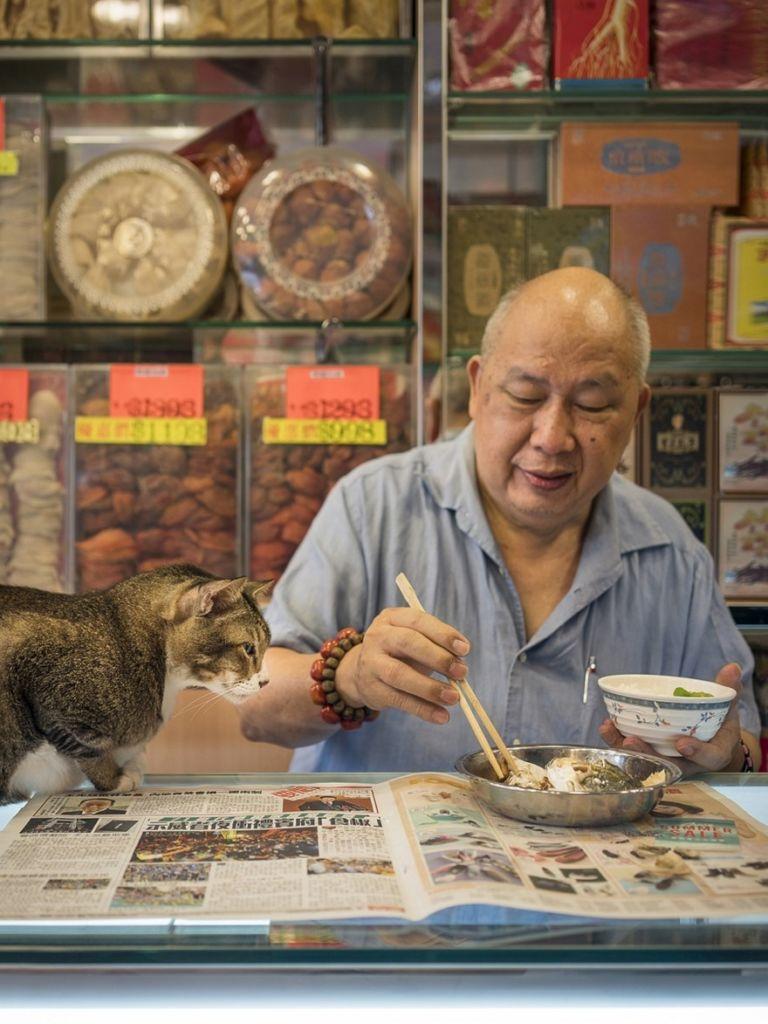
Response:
column 554, row 404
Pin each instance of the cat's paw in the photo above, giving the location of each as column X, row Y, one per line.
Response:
column 132, row 774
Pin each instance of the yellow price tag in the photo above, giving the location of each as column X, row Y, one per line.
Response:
column 19, row 431
column 9, row 163
column 278, row 430
column 140, row 430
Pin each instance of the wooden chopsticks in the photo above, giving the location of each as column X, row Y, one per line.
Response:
column 469, row 702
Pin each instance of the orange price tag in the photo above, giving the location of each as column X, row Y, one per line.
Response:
column 156, row 392
column 14, row 395
column 332, row 392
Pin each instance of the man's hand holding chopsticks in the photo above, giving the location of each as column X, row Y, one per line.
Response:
column 392, row 667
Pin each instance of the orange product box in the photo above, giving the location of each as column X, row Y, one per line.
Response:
column 649, row 164
column 659, row 254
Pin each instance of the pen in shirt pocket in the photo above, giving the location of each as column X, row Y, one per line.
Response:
column 588, row 671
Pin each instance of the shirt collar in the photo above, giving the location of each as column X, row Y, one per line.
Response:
column 619, row 523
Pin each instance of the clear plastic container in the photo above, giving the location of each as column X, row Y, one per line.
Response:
column 140, row 506
column 137, row 235
column 34, row 484
column 321, row 233
column 22, row 211
column 288, row 482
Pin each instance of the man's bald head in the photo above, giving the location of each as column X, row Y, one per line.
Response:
column 586, row 295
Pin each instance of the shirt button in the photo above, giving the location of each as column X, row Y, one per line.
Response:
column 516, row 741
column 523, row 657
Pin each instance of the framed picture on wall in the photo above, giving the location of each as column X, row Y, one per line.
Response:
column 742, row 550
column 743, row 442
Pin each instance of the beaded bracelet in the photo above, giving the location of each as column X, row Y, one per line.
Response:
column 333, row 709
column 748, row 764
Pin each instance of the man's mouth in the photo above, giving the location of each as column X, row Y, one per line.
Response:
column 545, row 481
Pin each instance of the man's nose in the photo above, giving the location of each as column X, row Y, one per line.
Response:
column 553, row 428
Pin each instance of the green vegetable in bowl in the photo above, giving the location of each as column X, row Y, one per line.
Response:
column 680, row 691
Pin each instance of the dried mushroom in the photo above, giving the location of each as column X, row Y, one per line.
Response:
column 321, row 234
column 137, row 235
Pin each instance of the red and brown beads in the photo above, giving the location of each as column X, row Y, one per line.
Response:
column 333, row 708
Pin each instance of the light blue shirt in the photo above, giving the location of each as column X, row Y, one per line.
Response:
column 644, row 600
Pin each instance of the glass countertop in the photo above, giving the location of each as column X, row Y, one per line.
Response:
column 478, row 936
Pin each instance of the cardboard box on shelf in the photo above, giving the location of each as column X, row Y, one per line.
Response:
column 649, row 163
column 737, row 300
column 573, row 237
column 600, row 41
column 486, row 257
column 493, row 248
column 659, row 254
column 678, row 440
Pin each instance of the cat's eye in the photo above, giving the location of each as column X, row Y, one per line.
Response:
column 249, row 648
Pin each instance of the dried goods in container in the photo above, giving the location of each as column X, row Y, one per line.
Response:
column 143, row 506
column 322, row 233
column 279, row 19
column 33, row 485
column 22, row 211
column 289, row 483
column 69, row 19
column 137, row 235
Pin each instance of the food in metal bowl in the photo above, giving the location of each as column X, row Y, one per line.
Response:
column 572, row 774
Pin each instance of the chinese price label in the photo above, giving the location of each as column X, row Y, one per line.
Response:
column 14, row 395
column 156, row 392
column 140, row 430
column 332, row 392
column 277, row 430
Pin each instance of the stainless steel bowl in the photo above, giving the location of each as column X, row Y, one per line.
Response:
column 550, row 807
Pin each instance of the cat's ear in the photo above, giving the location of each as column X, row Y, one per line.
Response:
column 258, row 588
column 209, row 598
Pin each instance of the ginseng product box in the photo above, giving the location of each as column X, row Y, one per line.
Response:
column 600, row 42
column 649, row 163
column 742, row 421
column 659, row 254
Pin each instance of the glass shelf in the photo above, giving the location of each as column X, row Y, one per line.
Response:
column 491, row 112
column 235, row 341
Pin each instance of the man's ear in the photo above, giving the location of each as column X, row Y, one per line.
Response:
column 210, row 598
column 474, row 370
column 642, row 401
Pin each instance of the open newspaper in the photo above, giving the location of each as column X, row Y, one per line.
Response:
column 404, row 848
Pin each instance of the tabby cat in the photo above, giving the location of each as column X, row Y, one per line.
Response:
column 87, row 680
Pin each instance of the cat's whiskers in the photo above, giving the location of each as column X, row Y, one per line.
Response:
column 203, row 699
column 209, row 698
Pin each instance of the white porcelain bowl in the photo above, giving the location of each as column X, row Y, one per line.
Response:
column 643, row 706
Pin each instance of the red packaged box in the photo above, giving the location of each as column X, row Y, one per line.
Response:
column 659, row 254
column 704, row 45
column 498, row 46
column 600, row 41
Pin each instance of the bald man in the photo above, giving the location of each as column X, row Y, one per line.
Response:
column 530, row 553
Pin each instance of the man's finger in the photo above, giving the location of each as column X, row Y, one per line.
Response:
column 730, row 675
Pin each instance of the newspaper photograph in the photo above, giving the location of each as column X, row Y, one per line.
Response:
column 405, row 848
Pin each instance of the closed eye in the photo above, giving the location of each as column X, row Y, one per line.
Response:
column 249, row 648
